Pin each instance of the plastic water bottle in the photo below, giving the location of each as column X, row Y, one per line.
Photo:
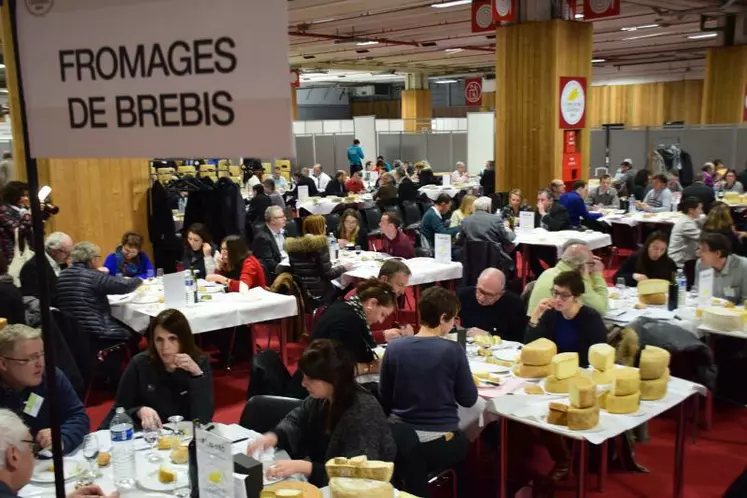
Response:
column 631, row 204
column 182, row 204
column 332, row 247
column 123, row 451
column 682, row 282
column 190, row 287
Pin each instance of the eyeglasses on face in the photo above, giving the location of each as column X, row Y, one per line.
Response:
column 25, row 361
column 564, row 296
column 35, row 447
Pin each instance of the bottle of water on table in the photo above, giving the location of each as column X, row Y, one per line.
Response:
column 631, row 204
column 190, row 287
column 682, row 282
column 123, row 451
column 332, row 246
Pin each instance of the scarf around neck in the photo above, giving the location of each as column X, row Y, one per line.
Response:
column 356, row 303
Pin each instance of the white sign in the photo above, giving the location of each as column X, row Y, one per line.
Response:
column 157, row 78
column 572, row 102
column 526, row 220
column 303, row 192
column 442, row 251
column 446, row 181
column 214, row 465
column 705, row 286
column 174, row 291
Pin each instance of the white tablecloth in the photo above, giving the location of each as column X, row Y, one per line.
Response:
column 433, row 191
column 541, row 237
column 640, row 217
column 223, row 311
column 424, row 271
column 326, row 206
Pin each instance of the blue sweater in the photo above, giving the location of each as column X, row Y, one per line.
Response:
column 577, row 209
column 432, row 223
column 73, row 417
column 355, row 155
column 422, row 381
column 142, row 269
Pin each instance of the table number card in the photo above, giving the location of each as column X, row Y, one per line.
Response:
column 705, row 286
column 214, row 465
column 174, row 292
column 303, row 192
column 442, row 251
column 526, row 220
column 446, row 181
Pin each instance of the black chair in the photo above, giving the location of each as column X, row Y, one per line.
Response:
column 412, row 216
column 269, row 376
column 373, row 217
column 333, row 221
column 263, row 413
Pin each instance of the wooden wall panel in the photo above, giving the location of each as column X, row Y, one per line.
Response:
column 725, row 81
column 488, row 101
column 416, row 110
column 382, row 109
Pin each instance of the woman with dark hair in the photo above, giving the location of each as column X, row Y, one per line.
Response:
column 350, row 231
column 642, row 184
column 128, row 258
column 424, row 378
column 199, row 253
column 172, row 377
column 651, row 261
column 731, row 184
column 14, row 215
column 349, row 322
column 237, row 264
column 719, row 220
column 338, row 419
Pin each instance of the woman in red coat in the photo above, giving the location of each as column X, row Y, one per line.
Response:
column 236, row 264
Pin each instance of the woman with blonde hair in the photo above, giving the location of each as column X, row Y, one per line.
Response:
column 719, row 220
column 515, row 206
column 466, row 208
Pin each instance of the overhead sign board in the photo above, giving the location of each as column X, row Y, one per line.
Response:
column 473, row 91
column 155, row 78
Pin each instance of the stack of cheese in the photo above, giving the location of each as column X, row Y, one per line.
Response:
column 359, row 477
column 625, row 394
column 724, row 319
column 583, row 412
column 536, row 359
column 654, row 372
column 564, row 367
column 602, row 358
column 653, row 291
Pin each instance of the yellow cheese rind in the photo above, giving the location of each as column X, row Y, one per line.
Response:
column 358, row 468
column 654, row 389
column 600, row 378
column 532, row 371
column 556, row 386
column 625, row 381
column 539, row 352
column 343, row 487
column 654, row 362
column 582, row 392
column 623, row 404
column 581, row 419
column 558, row 414
column 564, row 365
column 652, row 286
column 602, row 356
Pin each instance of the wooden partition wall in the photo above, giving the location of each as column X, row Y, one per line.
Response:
column 724, row 90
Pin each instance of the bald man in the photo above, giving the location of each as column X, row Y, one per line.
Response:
column 488, row 308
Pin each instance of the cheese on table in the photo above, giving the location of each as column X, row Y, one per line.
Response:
column 582, row 392
column 482, row 375
column 539, row 352
column 625, row 381
column 532, row 371
column 653, row 291
column 723, row 319
column 281, row 493
column 564, row 365
column 602, row 356
column 534, row 389
column 623, row 404
column 558, row 414
column 554, row 385
column 654, row 389
column 581, row 419
column 344, row 487
column 476, row 380
column 359, row 467
column 654, row 362
column 600, row 377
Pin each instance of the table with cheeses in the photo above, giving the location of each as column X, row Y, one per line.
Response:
column 433, row 191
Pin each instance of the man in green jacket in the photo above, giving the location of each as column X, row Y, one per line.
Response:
column 576, row 257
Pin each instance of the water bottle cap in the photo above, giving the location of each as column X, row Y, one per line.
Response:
column 119, row 410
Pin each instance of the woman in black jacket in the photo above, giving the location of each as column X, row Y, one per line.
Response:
column 199, row 252
column 651, row 261
column 338, row 419
column 171, row 378
column 562, row 318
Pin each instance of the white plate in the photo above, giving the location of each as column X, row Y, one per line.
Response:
column 145, row 299
column 71, row 468
column 510, row 355
column 149, row 480
column 507, row 345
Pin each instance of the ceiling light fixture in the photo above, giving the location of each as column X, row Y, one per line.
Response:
column 453, row 3
column 578, row 16
column 367, row 43
column 596, row 61
column 445, row 82
column 453, row 50
column 644, row 36
column 702, row 36
column 636, row 28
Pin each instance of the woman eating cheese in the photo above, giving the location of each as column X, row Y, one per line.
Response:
column 424, row 378
column 562, row 318
column 652, row 261
column 338, row 419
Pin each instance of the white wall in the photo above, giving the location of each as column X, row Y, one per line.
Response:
column 480, row 140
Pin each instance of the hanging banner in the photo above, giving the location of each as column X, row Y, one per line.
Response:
column 482, row 16
column 596, row 9
column 744, row 105
column 295, row 78
column 504, row 10
column 473, row 91
column 95, row 87
column 572, row 103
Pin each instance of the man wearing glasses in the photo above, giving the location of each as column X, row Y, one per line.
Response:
column 269, row 241
column 24, row 390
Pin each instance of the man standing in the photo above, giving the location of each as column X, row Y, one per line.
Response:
column 575, row 203
column 488, row 308
column 269, row 241
column 395, row 242
column 320, row 178
column 57, row 249
column 659, row 198
column 355, row 156
column 487, row 179
column 604, row 194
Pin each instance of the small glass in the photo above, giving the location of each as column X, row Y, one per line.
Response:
column 620, row 285
column 151, row 274
column 185, row 492
column 90, row 449
column 159, row 275
column 151, row 437
column 175, row 421
column 358, row 250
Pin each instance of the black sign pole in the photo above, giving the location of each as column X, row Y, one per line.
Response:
column 50, row 376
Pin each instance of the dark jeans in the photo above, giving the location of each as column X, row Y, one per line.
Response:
column 355, row 167
column 417, row 461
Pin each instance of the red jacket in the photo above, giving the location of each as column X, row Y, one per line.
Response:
column 354, row 185
column 252, row 275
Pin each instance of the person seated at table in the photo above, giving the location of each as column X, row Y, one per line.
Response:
column 349, row 322
column 683, row 241
column 386, row 195
column 486, row 227
column 25, row 390
column 407, row 190
column 515, row 206
column 336, row 186
column 339, row 418
column 394, row 241
column 236, row 264
column 642, row 184
column 564, row 319
column 709, row 172
column 433, row 222
column 382, row 165
column 424, row 379
column 82, row 291
column 674, row 184
column 466, row 208
column 57, row 247
column 719, row 220
column 460, row 175
column 310, row 261
column 488, row 308
column 605, row 194
column 731, row 184
column 557, row 187
column 427, row 177
column 199, row 252
column 576, row 257
column 651, row 261
column 269, row 242
column 303, row 180
column 278, row 179
column 350, row 231
column 172, row 377
column 575, row 202
column 553, row 217
column 730, row 270
column 354, row 184
column 319, row 177
column 700, row 191
column 258, row 204
column 276, row 198
column 128, row 259
column 658, row 199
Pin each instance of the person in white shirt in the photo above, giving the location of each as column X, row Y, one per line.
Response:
column 321, row 179
column 460, row 175
column 277, row 178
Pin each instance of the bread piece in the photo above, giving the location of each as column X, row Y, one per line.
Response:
column 104, row 458
column 602, row 356
column 625, row 381
column 564, row 365
column 533, row 389
column 482, row 375
column 582, row 392
column 623, row 404
column 538, row 353
column 486, row 352
column 497, row 340
column 558, row 414
column 166, row 476
column 654, row 362
column 532, row 371
column 654, row 389
column 476, row 380
column 483, row 340
column 343, row 487
column 361, row 469
column 581, row 419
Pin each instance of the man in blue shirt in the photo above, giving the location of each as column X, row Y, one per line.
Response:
column 355, row 157
column 575, row 203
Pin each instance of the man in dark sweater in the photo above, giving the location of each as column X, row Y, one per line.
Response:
column 24, row 389
column 488, row 308
column 700, row 191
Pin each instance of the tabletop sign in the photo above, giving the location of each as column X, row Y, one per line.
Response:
column 442, row 251
column 303, row 192
column 705, row 286
column 214, row 465
column 95, row 87
column 446, row 181
column 174, row 293
column 526, row 220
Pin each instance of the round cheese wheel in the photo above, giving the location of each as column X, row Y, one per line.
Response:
column 532, row 371
column 602, row 356
column 581, row 419
column 582, row 392
column 654, row 389
column 343, row 487
column 623, row 404
column 539, row 352
column 557, row 386
column 654, row 362
column 600, row 378
column 625, row 381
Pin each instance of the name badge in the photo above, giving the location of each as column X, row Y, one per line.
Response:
column 729, row 292
column 33, row 405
